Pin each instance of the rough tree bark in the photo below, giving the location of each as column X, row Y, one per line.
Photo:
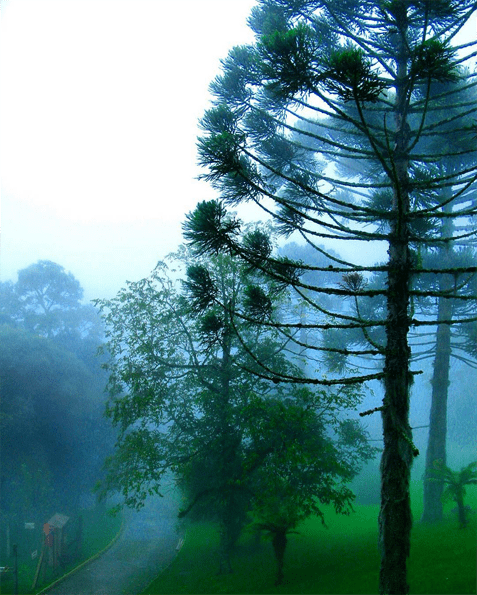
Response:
column 395, row 514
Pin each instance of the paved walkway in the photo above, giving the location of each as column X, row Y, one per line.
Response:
column 145, row 548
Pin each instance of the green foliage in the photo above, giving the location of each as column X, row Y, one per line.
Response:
column 233, row 86
column 351, row 76
column 46, row 301
column 257, row 303
column 50, row 420
column 258, row 246
column 51, row 391
column 46, row 286
column 456, row 482
column 311, row 456
column 200, row 288
column 434, row 61
column 289, row 60
column 210, row 216
column 185, row 397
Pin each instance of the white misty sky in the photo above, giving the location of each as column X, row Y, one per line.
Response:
column 99, row 109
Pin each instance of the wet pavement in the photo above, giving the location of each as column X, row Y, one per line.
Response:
column 146, row 546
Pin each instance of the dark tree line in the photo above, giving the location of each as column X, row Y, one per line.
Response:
column 53, row 434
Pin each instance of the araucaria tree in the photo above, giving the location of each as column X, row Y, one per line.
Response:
column 312, row 60
column 454, row 150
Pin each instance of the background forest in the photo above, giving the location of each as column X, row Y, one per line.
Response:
column 53, row 433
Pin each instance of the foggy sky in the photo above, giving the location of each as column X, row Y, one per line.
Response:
column 99, row 109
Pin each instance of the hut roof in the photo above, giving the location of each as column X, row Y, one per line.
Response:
column 58, row 520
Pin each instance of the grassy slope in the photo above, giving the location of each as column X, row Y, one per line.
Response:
column 341, row 559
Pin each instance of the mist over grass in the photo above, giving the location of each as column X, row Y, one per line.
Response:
column 342, row 558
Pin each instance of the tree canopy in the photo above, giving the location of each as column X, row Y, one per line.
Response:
column 51, row 421
column 46, row 300
column 53, row 433
column 186, row 400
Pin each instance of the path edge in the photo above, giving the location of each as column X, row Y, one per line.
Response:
column 85, row 562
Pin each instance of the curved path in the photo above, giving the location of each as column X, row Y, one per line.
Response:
column 146, row 546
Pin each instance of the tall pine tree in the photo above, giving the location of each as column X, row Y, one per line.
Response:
column 313, row 58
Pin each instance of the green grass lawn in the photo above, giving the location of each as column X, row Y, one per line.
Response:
column 99, row 528
column 342, row 558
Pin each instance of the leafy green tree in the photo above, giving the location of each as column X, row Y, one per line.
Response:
column 321, row 455
column 183, row 393
column 180, row 387
column 45, row 290
column 53, row 434
column 313, row 58
column 46, row 300
column 456, row 482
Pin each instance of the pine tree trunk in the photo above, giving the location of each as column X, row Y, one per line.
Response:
column 395, row 518
column 436, row 445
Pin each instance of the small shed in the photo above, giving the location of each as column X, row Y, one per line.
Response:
column 56, row 538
